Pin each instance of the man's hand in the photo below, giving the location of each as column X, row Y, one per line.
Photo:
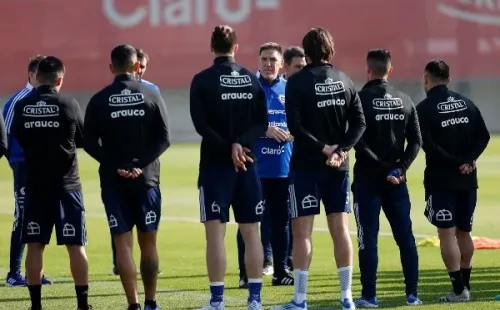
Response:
column 240, row 157
column 337, row 159
column 467, row 168
column 396, row 177
column 290, row 137
column 130, row 174
column 328, row 150
column 277, row 134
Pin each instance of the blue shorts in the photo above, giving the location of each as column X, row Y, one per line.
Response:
column 61, row 208
column 222, row 187
column 19, row 171
column 309, row 188
column 451, row 208
column 127, row 208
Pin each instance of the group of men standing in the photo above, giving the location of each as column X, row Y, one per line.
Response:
column 265, row 135
column 272, row 146
column 126, row 131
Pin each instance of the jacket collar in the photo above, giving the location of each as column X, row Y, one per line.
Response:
column 376, row 82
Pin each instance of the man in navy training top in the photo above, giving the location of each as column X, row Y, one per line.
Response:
column 380, row 177
column 16, row 161
column 273, row 152
column 143, row 59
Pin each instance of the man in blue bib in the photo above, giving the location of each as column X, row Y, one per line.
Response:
column 273, row 154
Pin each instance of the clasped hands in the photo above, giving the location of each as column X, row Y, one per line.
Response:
column 335, row 159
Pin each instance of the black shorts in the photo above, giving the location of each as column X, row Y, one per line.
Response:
column 309, row 188
column 63, row 209
column 222, row 187
column 451, row 208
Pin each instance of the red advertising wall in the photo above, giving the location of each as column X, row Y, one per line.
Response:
column 176, row 34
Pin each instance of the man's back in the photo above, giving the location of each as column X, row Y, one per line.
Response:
column 390, row 120
column 49, row 129
column 129, row 118
column 453, row 131
column 320, row 101
column 228, row 99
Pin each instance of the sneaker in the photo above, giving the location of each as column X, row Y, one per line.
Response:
column 452, row 297
column 46, row 281
column 151, row 308
column 214, row 306
column 292, row 306
column 88, row 308
column 115, row 271
column 268, row 268
column 15, row 280
column 347, row 304
column 367, row 302
column 255, row 305
column 413, row 300
column 243, row 282
column 286, row 279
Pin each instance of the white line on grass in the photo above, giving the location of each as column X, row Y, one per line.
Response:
column 194, row 220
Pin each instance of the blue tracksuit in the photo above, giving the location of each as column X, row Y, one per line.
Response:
column 273, row 164
column 16, row 160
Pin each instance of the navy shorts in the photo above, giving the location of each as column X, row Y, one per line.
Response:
column 64, row 209
column 222, row 187
column 451, row 208
column 309, row 188
column 127, row 208
column 19, row 171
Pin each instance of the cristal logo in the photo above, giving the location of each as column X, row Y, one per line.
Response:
column 183, row 12
column 477, row 11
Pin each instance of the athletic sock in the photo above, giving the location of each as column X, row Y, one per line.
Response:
column 150, row 303
column 82, row 294
column 35, row 296
column 345, row 278
column 300, row 285
column 254, row 289
column 216, row 292
column 466, row 276
column 456, row 281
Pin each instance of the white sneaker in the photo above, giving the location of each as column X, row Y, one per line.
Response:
column 292, row 306
column 452, row 297
column 255, row 305
column 268, row 269
column 347, row 304
column 215, row 306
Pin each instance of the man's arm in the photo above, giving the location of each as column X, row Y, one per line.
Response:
column 294, row 119
column 428, row 144
column 91, row 131
column 356, row 121
column 198, row 114
column 481, row 138
column 3, row 137
column 162, row 134
column 260, row 123
column 365, row 151
column 414, row 141
column 76, row 115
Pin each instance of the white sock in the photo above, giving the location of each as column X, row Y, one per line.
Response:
column 300, row 284
column 345, row 277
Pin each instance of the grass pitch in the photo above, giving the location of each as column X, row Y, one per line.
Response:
column 183, row 284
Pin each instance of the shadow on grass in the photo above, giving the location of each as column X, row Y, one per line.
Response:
column 433, row 284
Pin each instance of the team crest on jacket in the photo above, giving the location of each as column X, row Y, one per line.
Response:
column 282, row 99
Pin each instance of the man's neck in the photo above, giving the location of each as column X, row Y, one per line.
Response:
column 374, row 78
column 223, row 55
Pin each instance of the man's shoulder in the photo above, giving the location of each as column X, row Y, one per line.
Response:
column 18, row 95
column 150, row 84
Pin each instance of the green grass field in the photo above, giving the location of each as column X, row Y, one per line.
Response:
column 183, row 284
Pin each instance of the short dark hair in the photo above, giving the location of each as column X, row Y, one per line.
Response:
column 50, row 69
column 123, row 57
column 270, row 46
column 318, row 45
column 223, row 39
column 141, row 54
column 291, row 52
column 438, row 70
column 379, row 61
column 34, row 61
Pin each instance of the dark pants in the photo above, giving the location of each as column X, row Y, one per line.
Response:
column 16, row 245
column 275, row 192
column 369, row 199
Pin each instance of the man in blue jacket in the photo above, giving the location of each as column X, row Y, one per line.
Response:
column 16, row 161
column 273, row 154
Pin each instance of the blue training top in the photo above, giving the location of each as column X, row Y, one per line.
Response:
column 152, row 85
column 14, row 150
column 273, row 158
